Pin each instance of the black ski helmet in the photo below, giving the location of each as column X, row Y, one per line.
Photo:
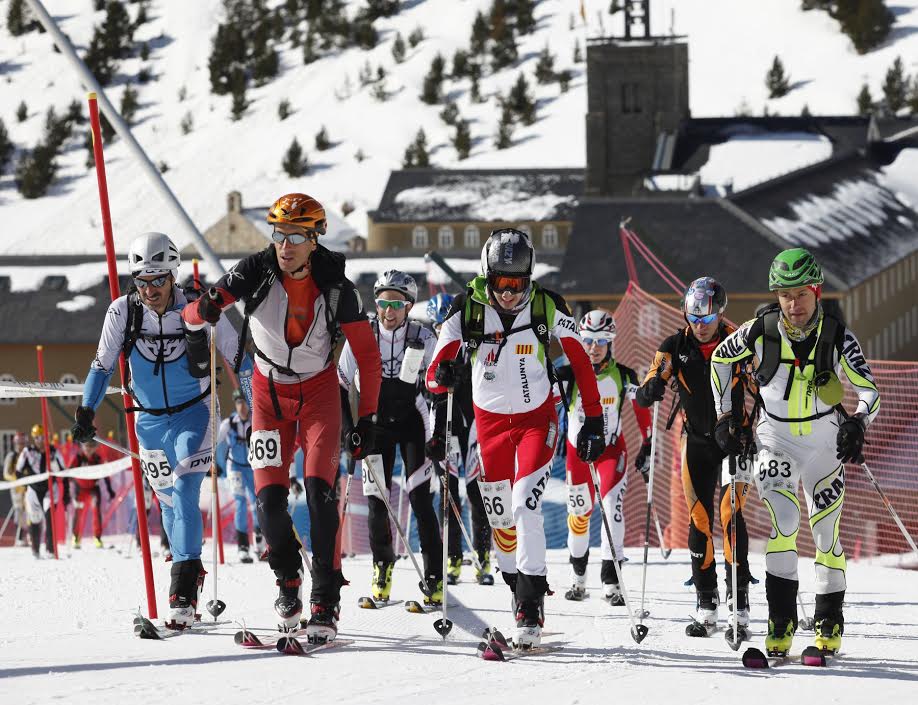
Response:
column 508, row 251
column 703, row 297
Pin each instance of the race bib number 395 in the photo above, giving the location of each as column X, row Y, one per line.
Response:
column 156, row 467
column 498, row 503
column 264, row 449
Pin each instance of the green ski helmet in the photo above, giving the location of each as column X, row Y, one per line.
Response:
column 793, row 268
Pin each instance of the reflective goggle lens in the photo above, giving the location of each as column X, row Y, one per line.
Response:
column 710, row 318
column 501, row 282
column 383, row 304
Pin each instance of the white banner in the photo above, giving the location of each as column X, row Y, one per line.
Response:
column 18, row 389
column 86, row 472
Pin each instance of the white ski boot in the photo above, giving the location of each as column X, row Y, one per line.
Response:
column 704, row 623
column 529, row 621
column 578, row 589
column 612, row 593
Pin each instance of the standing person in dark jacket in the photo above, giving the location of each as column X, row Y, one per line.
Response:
column 88, row 491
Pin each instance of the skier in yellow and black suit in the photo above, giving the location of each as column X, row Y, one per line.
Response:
column 686, row 358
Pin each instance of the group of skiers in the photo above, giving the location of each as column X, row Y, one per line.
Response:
column 487, row 360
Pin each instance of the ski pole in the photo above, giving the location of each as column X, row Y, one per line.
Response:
column 806, row 623
column 6, row 521
column 398, row 525
column 653, row 447
column 458, row 515
column 351, row 465
column 735, row 643
column 116, row 447
column 889, row 506
column 664, row 549
column 215, row 606
column 443, row 626
column 638, row 631
column 402, row 487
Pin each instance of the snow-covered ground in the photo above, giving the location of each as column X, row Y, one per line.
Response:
column 66, row 637
column 731, row 46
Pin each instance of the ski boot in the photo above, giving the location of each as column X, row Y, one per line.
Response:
column 242, row 547
column 578, row 589
column 97, row 542
column 704, row 623
column 382, row 580
column 742, row 614
column 76, row 542
column 260, row 549
column 434, row 599
column 453, row 569
column 780, row 636
column 289, row 602
column 322, row 626
column 829, row 632
column 484, row 576
column 530, row 618
column 183, row 595
column 612, row 593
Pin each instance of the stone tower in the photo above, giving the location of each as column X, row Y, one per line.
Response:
column 637, row 94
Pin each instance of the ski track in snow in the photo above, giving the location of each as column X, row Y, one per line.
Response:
column 85, row 652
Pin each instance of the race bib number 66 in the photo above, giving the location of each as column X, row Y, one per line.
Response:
column 264, row 449
column 498, row 503
column 156, row 467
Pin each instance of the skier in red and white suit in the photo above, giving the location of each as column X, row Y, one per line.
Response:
column 504, row 320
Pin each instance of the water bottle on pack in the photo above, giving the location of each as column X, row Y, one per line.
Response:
column 412, row 361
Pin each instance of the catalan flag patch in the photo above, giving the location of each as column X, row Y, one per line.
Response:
column 524, row 349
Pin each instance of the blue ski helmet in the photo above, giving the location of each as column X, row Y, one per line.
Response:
column 437, row 308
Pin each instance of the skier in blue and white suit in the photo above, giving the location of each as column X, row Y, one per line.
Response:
column 170, row 385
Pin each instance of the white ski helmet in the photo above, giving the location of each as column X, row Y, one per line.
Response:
column 597, row 324
column 152, row 254
column 394, row 280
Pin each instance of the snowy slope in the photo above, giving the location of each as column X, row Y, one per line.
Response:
column 732, row 43
column 67, row 637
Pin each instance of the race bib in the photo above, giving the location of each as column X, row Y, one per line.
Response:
column 370, row 488
column 155, row 466
column 498, row 503
column 775, row 470
column 579, row 502
column 235, row 482
column 264, row 449
column 744, row 468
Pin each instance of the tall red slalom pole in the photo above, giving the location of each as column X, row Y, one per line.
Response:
column 45, row 417
column 115, row 292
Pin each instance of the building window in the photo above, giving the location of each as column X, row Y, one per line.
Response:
column 445, row 238
column 472, row 237
column 550, row 237
column 7, row 401
column 631, row 101
column 525, row 229
column 6, row 441
column 419, row 239
column 68, row 378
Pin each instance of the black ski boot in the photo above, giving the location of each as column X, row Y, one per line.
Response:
column 322, row 626
column 183, row 594
column 611, row 592
column 289, row 602
column 578, row 589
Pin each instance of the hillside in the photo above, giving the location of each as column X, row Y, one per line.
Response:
column 732, row 43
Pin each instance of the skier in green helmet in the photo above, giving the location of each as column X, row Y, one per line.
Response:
column 798, row 354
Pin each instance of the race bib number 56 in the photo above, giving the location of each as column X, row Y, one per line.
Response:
column 498, row 503
column 264, row 449
column 156, row 467
column 579, row 501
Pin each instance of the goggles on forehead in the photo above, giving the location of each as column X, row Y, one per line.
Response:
column 710, row 318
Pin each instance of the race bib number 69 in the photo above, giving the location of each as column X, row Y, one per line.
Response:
column 498, row 503
column 264, row 449
column 155, row 466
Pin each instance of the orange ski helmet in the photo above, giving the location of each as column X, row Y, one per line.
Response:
column 298, row 209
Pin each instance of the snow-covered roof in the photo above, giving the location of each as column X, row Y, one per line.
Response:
column 493, row 195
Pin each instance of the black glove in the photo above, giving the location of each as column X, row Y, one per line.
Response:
column 655, row 388
column 727, row 436
column 362, row 441
column 435, row 448
column 447, row 373
column 209, row 307
column 83, row 430
column 296, row 487
column 850, row 440
column 642, row 461
column 591, row 440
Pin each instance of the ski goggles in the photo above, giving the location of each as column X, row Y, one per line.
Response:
column 596, row 341
column 383, row 304
column 504, row 282
column 710, row 318
column 295, row 238
column 144, row 283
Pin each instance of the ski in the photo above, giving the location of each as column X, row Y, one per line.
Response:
column 291, row 646
column 814, row 656
column 145, row 629
column 697, row 629
column 368, row 603
column 250, row 640
column 755, row 658
column 416, row 607
column 496, row 648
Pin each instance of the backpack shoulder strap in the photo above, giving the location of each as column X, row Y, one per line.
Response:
column 539, row 319
column 134, row 323
column 830, row 341
column 771, row 346
column 473, row 321
column 268, row 277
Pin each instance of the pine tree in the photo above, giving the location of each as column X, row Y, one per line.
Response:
column 364, row 34
column 265, row 66
column 322, row 141
column 460, row 64
column 776, row 80
column 187, row 123
column 295, row 163
column 433, row 81
column 227, row 53
column 144, row 51
column 416, row 37
column 805, row 111
column 525, row 16
column 416, row 156
column 379, row 91
column 238, row 87
column 895, row 87
column 504, row 137
column 22, row 112
column 35, row 171
column 578, row 53
column 398, row 48
column 57, row 131
column 182, row 94
column 141, row 15
column 545, row 68
column 381, row 8
column 97, row 58
column 117, row 30
column 283, row 109
column 309, row 47
column 450, row 113
column 129, row 104
column 17, row 18
column 866, row 22
column 913, row 96
column 503, row 51
column 462, row 140
column 6, row 146
column 520, row 102
column 564, row 80
column 480, row 33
